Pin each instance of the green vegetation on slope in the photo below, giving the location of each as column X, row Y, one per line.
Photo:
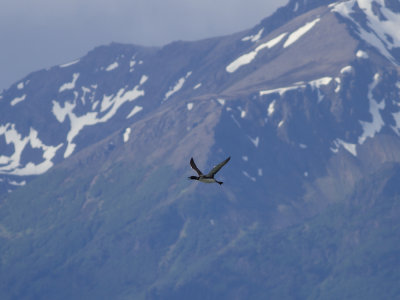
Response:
column 128, row 233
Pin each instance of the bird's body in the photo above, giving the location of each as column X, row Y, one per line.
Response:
column 208, row 178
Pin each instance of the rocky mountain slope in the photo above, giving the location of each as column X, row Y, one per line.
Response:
column 94, row 158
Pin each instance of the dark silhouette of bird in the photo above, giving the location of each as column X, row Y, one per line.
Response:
column 208, row 178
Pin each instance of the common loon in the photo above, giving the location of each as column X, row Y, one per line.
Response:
column 208, row 178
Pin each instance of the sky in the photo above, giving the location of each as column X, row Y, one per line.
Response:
column 36, row 34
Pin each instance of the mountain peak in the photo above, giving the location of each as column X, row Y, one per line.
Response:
column 114, row 85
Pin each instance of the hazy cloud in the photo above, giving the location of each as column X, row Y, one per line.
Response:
column 39, row 33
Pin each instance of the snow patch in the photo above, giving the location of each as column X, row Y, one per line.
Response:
column 175, row 89
column 69, row 85
column 77, row 124
column 189, row 106
column 94, row 105
column 221, row 101
column 260, row 172
column 106, row 102
column 396, row 117
column 12, row 164
column 338, row 81
column 249, row 57
column 126, row 134
column 110, row 104
column 16, row 183
column 20, row 86
column 280, row 91
column 61, row 112
column 352, row 148
column 255, row 141
column 112, row 66
column 321, row 81
column 254, row 37
column 362, row 54
column 69, row 64
column 134, row 111
column 17, row 100
column 85, row 91
column 347, row 69
column 197, row 86
column 245, row 158
column 143, row 79
column 373, row 127
column 297, row 34
column 271, row 108
column 132, row 64
column 315, row 84
column 178, row 85
column 122, row 97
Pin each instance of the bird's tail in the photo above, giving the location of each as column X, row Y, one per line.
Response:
column 219, row 182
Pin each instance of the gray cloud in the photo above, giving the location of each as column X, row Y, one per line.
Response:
column 36, row 34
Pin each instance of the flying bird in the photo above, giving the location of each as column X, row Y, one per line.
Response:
column 208, row 178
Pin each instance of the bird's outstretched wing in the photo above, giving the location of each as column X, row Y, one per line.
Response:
column 194, row 167
column 218, row 167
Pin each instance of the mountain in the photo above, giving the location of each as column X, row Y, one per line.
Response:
column 94, row 158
